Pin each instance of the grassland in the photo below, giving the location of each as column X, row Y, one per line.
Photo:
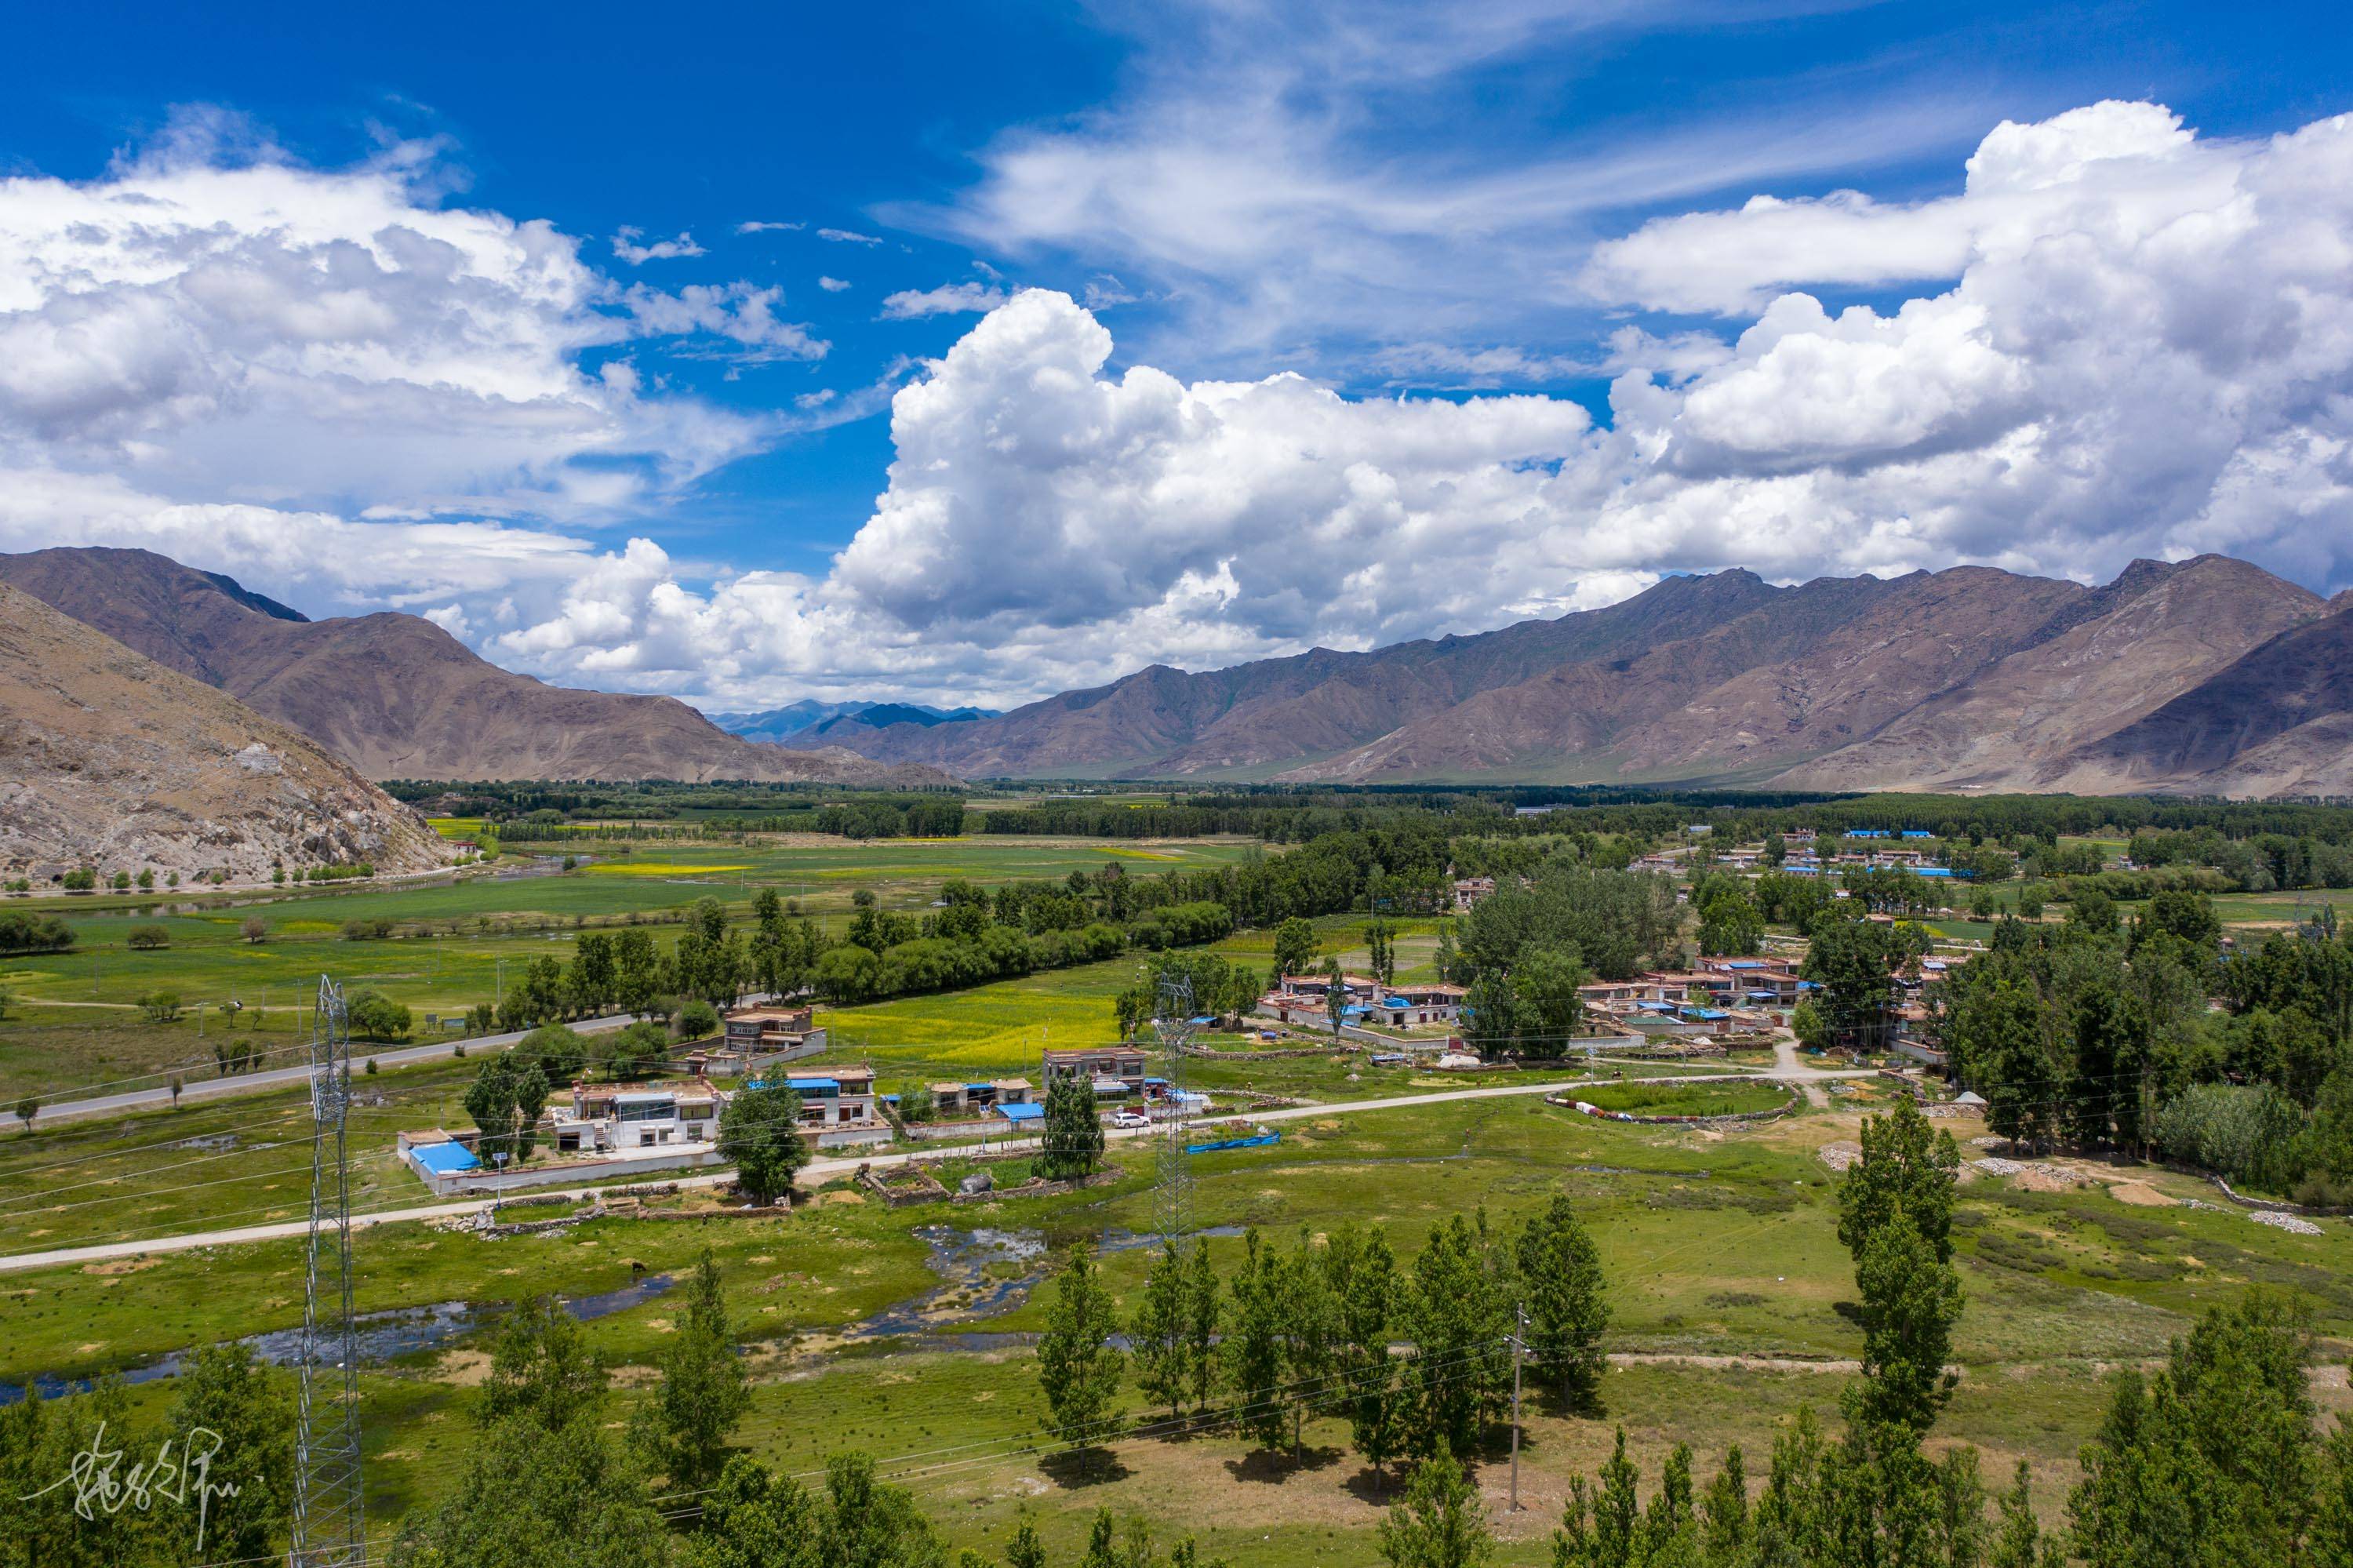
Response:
column 1726, row 1284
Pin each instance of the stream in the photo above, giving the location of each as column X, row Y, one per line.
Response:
column 982, row 1273
column 380, row 1336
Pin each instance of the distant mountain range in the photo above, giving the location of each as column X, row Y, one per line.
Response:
column 109, row 760
column 398, row 698
column 808, row 714
column 2202, row 676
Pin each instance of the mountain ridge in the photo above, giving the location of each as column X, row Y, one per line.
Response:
column 397, row 696
column 1972, row 677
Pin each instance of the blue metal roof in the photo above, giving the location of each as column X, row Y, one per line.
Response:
column 1701, row 1012
column 445, row 1158
column 816, row 1085
column 976, row 1088
column 1918, row 833
column 1022, row 1113
column 1744, row 963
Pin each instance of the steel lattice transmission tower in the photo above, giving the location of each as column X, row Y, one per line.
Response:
column 329, row 1528
column 1173, row 1022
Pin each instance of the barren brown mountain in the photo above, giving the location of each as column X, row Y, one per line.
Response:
column 2277, row 722
column 398, row 698
column 1970, row 678
column 111, row 760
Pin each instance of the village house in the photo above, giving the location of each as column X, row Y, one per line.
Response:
column 979, row 1099
column 1407, row 1006
column 759, row 1037
column 607, row 1117
column 1114, row 1070
column 1468, row 890
column 839, row 1106
column 1771, row 981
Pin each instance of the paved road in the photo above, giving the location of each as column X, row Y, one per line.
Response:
column 279, row 1078
column 826, row 1169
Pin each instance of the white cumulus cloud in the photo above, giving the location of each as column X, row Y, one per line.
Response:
column 329, row 379
column 2142, row 345
column 2119, row 339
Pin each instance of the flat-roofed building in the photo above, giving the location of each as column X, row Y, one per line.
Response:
column 1114, row 1070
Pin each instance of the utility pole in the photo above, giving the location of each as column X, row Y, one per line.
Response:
column 1518, row 1330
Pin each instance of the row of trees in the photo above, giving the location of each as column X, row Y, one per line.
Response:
column 2216, row 1458
column 1312, row 1329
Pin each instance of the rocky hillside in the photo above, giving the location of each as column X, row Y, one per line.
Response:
column 398, row 698
column 1970, row 678
column 111, row 760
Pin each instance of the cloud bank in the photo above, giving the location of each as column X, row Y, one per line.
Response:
column 2119, row 339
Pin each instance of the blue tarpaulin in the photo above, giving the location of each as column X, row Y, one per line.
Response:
column 445, row 1158
column 1261, row 1141
column 1022, row 1113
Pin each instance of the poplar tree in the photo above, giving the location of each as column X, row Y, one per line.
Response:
column 1164, row 1351
column 1078, row 1367
column 1439, row 1524
column 702, row 1395
column 1204, row 1311
column 1364, row 1277
column 1310, row 1331
column 1074, row 1135
column 1560, row 1269
column 1254, row 1349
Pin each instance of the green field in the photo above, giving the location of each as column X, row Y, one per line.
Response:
column 75, row 1018
column 1716, row 1246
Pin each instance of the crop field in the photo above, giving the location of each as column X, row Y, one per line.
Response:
column 1002, row 1027
column 75, row 1018
column 2280, row 909
column 1726, row 1285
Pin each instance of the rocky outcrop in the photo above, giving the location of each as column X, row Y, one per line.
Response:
column 112, row 761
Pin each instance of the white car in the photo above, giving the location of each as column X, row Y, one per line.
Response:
column 1130, row 1119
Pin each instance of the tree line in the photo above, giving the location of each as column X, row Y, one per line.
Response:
column 1312, row 1329
column 2098, row 1032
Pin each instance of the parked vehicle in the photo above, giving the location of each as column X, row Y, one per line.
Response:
column 1130, row 1119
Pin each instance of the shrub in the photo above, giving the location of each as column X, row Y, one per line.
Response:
column 375, row 1016
column 161, row 1006
column 24, row 933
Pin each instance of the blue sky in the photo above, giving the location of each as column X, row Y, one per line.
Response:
column 1438, row 203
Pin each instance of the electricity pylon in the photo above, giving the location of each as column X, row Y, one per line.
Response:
column 329, row 1528
column 1173, row 1023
